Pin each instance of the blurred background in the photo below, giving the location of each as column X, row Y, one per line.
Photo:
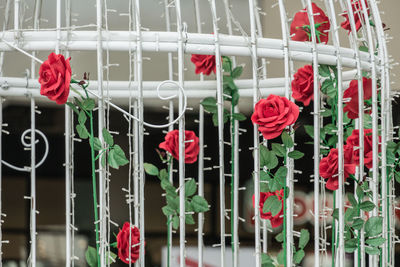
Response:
column 50, row 176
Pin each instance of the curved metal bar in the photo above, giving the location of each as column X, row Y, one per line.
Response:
column 25, row 144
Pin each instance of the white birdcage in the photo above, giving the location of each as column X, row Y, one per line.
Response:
column 234, row 30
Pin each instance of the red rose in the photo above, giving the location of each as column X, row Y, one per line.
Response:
column 351, row 107
column 55, row 77
column 328, row 166
column 356, row 7
column 124, row 253
column 303, row 85
column 204, row 63
column 354, row 141
column 274, row 114
column 171, row 144
column 300, row 29
column 276, row 220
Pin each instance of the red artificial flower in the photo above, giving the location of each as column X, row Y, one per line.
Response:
column 354, row 141
column 351, row 107
column 171, row 144
column 300, row 29
column 356, row 8
column 274, row 114
column 276, row 220
column 328, row 166
column 126, row 254
column 55, row 77
column 204, row 63
column 303, row 85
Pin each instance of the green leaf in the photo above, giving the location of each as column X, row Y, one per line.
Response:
column 375, row 242
column 110, row 257
column 73, row 107
column 324, row 71
column 88, row 104
column 349, row 214
column 335, row 214
column 278, row 149
column 163, row 174
column 327, row 87
column 274, row 184
column 279, row 237
column 107, row 137
column 397, row 176
column 173, row 202
column 280, row 175
column 150, row 169
column 367, row 121
column 373, row 226
column 367, row 206
column 298, row 256
column 226, row 64
column 350, row 245
column 309, row 130
column 358, row 224
column 330, row 128
column 363, row 48
column 175, row 222
column 295, row 154
column 190, row 187
column 237, row 72
column 267, row 158
column 188, row 206
column 116, row 157
column 82, row 131
column 199, row 204
column 238, row 116
column 360, row 193
column 304, row 238
column 189, row 219
column 352, row 199
column 225, row 117
column 210, row 104
column 273, row 205
column 235, row 98
column 287, row 140
column 326, row 113
column 168, row 187
column 168, row 210
column 91, row 256
column 266, row 260
column 97, row 144
column 82, row 117
column 281, row 257
column 372, row 250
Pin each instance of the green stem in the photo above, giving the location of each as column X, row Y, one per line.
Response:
column 169, row 237
column 96, row 216
column 284, row 217
column 333, row 232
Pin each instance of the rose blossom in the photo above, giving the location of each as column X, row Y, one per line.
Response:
column 204, row 63
column 171, row 144
column 274, row 114
column 300, row 27
column 55, row 77
column 124, row 253
column 356, row 7
column 351, row 107
column 303, row 85
column 328, row 166
column 276, row 220
column 354, row 141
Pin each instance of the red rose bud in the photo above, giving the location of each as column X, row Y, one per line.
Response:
column 354, row 141
column 171, row 144
column 55, row 78
column 351, row 107
column 328, row 167
column 356, row 7
column 204, row 63
column 300, row 29
column 128, row 236
column 274, row 114
column 303, row 85
column 276, row 220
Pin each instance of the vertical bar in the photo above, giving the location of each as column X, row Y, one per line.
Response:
column 16, row 16
column 182, row 215
column 289, row 178
column 256, row 140
column 5, row 26
column 317, row 141
column 33, row 185
column 139, row 77
column 220, row 103
column 101, row 116
column 1, row 181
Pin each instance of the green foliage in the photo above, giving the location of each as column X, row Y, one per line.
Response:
column 304, row 238
column 268, row 158
column 324, row 71
column 287, row 140
column 116, row 157
column 190, row 187
column 82, row 131
column 273, row 205
column 91, row 256
column 278, row 149
column 373, row 226
column 295, row 154
column 107, row 137
column 298, row 256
